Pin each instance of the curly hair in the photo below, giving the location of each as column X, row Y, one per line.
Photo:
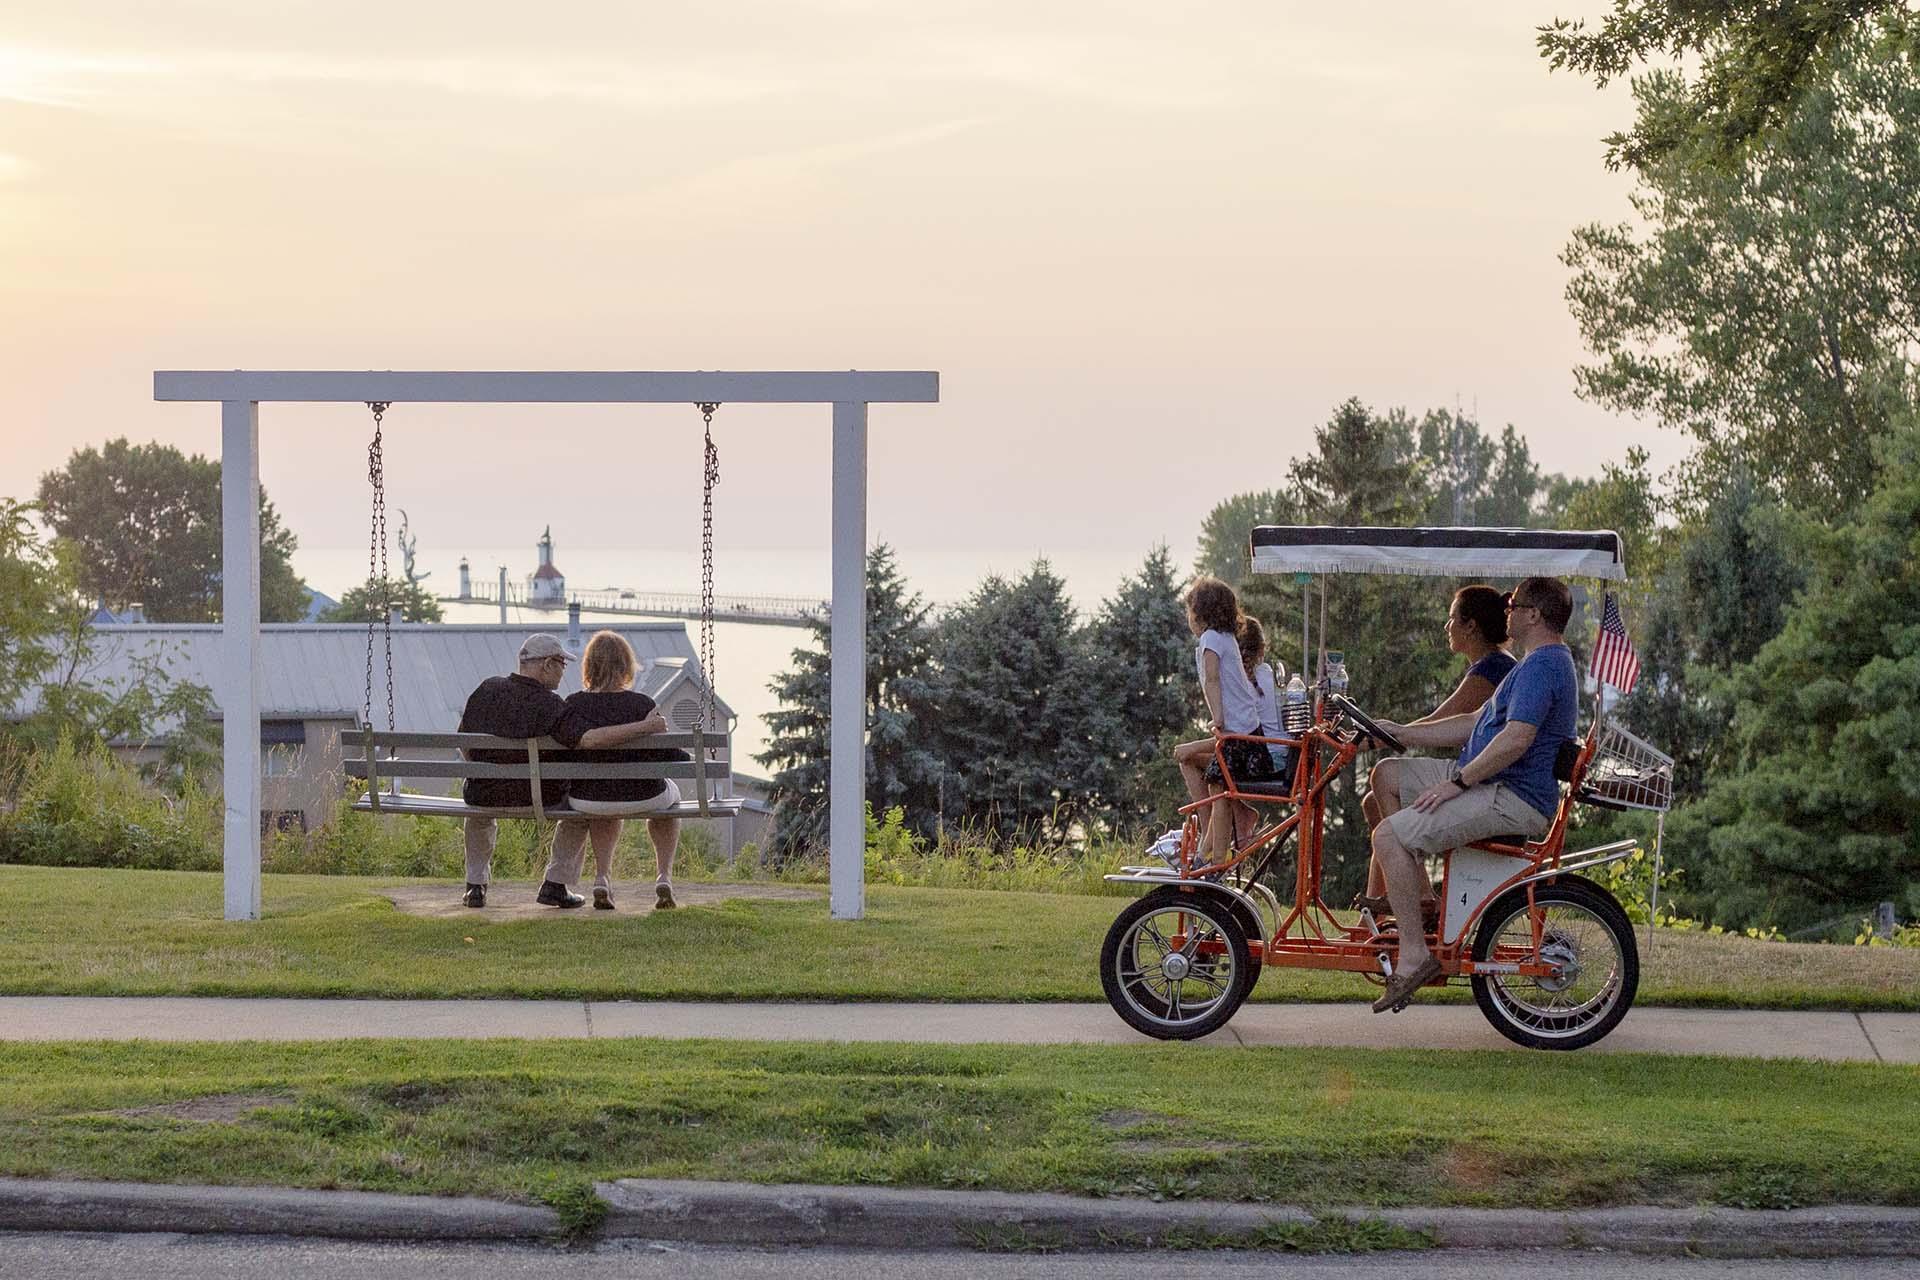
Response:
column 608, row 664
column 1213, row 605
column 1486, row 609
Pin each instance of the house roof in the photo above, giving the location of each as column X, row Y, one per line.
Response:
column 548, row 571
column 318, row 670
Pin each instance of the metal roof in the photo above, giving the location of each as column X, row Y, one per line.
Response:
column 318, row 670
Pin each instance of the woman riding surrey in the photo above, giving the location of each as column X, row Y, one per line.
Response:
column 1476, row 629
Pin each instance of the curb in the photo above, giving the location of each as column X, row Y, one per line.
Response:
column 264, row 1211
column 897, row 1218
column 731, row 1213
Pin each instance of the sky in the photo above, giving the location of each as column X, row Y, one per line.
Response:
column 1147, row 247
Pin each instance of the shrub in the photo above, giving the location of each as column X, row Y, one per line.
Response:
column 74, row 805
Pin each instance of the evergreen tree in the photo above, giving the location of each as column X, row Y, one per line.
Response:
column 1139, row 693
column 901, row 768
column 1004, row 709
column 1722, row 595
column 1815, row 808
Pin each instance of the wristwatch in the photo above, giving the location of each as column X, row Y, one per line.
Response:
column 1460, row 782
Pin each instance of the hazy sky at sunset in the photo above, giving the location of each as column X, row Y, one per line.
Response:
column 1148, row 247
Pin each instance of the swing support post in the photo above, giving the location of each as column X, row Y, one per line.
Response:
column 847, row 785
column 240, row 392
column 240, row 682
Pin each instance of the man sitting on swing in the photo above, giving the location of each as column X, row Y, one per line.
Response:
column 1501, row 784
column 524, row 705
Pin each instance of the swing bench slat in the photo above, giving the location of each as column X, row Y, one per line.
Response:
column 372, row 755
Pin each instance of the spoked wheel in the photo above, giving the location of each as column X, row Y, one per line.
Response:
column 1176, row 964
column 1586, row 934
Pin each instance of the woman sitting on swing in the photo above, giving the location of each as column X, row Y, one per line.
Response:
column 607, row 670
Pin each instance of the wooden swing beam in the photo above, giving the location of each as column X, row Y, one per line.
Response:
column 240, row 392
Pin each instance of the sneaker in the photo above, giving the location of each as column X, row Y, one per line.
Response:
column 663, row 897
column 475, row 896
column 603, row 897
column 554, row 894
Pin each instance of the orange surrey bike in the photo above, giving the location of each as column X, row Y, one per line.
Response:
column 1550, row 955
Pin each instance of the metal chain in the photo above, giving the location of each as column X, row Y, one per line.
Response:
column 377, row 562
column 710, row 478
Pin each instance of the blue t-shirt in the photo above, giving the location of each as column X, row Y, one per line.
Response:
column 1544, row 691
column 1494, row 667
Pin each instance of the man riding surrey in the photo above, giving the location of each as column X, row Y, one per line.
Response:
column 1501, row 784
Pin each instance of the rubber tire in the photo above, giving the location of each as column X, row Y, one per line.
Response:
column 1225, row 913
column 1574, row 891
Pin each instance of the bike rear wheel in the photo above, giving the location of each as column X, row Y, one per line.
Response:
column 1584, row 932
column 1176, row 964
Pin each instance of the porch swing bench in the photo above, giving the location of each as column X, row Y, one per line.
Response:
column 378, row 763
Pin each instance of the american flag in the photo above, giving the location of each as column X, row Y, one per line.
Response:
column 1614, row 661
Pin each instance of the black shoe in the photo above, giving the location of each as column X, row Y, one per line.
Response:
column 554, row 894
column 603, row 897
column 476, row 895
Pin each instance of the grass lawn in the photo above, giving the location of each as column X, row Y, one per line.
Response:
column 105, row 932
column 534, row 1120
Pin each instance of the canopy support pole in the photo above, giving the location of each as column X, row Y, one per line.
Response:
column 240, row 622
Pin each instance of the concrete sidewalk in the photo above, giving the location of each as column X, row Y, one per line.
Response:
column 1867, row 1037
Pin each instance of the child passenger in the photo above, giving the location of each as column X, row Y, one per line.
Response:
column 1233, row 707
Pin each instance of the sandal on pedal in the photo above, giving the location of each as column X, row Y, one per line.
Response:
column 1404, row 983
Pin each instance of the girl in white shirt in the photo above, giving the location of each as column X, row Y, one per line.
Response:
column 1233, row 706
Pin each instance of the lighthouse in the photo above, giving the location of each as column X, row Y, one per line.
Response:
column 548, row 585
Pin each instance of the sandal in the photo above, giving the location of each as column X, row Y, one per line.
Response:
column 1402, row 986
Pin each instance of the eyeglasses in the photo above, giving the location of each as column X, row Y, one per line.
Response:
column 1511, row 604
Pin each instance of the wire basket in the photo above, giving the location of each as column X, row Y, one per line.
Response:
column 1627, row 773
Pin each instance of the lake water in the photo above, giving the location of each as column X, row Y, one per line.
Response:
column 746, row 657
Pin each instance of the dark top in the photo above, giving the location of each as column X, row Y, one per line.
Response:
column 597, row 710
column 1494, row 667
column 516, row 706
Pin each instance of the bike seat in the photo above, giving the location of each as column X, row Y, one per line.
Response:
column 1274, row 788
column 1517, row 840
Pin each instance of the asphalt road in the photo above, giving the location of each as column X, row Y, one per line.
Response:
column 176, row 1257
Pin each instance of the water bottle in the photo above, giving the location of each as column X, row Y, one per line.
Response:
column 1296, row 715
column 1337, row 673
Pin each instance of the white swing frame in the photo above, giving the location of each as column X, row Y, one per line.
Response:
column 240, row 394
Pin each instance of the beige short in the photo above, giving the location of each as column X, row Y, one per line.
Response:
column 1490, row 809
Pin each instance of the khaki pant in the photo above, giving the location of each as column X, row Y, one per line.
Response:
column 1490, row 809
column 569, row 850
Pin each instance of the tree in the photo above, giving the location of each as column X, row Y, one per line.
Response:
column 1815, row 808
column 50, row 659
column 1223, row 535
column 1723, row 593
column 1138, row 689
column 1476, row 478
column 143, row 522
column 1756, row 60
column 1003, row 711
column 902, row 769
column 1767, row 311
column 369, row 603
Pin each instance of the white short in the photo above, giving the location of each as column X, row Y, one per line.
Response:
column 628, row 808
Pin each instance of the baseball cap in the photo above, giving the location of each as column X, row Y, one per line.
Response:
column 536, row 647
